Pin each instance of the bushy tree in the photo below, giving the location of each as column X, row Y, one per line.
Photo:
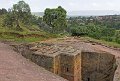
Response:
column 3, row 11
column 117, row 36
column 9, row 20
column 22, row 12
column 19, row 13
column 56, row 18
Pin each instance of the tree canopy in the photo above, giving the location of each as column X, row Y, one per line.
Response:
column 56, row 19
column 20, row 12
column 3, row 11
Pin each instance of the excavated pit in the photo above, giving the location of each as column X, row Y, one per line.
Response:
column 72, row 60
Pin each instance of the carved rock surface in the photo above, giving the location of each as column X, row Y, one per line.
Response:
column 72, row 59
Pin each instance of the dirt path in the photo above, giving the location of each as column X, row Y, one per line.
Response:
column 14, row 67
column 114, row 52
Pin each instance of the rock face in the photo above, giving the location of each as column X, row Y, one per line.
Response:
column 60, row 59
column 72, row 60
column 97, row 66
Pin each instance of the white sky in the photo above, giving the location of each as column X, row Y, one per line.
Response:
column 69, row 5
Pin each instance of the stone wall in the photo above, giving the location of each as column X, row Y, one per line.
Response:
column 77, row 67
column 57, row 69
column 43, row 61
column 67, row 67
column 97, row 66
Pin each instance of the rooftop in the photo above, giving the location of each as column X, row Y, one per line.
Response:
column 54, row 49
column 68, row 46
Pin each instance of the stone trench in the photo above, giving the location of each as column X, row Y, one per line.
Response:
column 94, row 66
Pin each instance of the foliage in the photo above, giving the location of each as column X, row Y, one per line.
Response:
column 19, row 13
column 22, row 12
column 117, row 36
column 19, row 18
column 93, row 29
column 3, row 11
column 56, row 19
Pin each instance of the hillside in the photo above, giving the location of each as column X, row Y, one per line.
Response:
column 92, row 12
column 28, row 34
column 38, row 13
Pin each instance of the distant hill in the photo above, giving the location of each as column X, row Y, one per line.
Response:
column 92, row 12
column 38, row 13
column 85, row 13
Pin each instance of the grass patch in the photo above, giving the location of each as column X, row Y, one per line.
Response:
column 41, row 35
column 22, row 40
column 27, row 40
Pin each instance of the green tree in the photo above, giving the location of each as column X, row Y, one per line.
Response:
column 9, row 20
column 22, row 13
column 117, row 36
column 56, row 18
column 19, row 13
column 3, row 11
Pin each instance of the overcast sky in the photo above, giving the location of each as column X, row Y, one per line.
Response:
column 69, row 5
